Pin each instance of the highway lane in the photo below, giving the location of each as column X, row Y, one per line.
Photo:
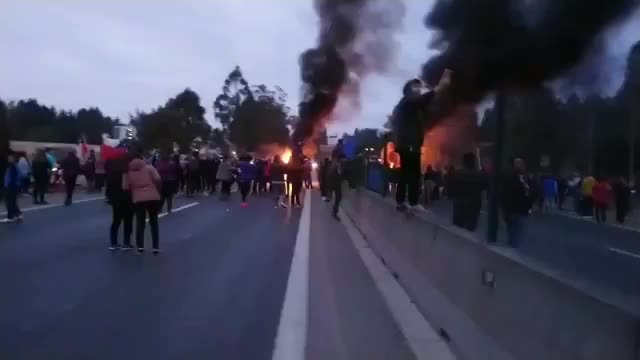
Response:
column 216, row 291
column 607, row 257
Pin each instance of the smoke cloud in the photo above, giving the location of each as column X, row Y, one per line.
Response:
column 514, row 44
column 356, row 39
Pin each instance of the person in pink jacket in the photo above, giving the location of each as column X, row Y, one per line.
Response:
column 144, row 183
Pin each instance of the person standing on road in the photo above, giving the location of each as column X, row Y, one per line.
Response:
column 144, row 182
column 550, row 189
column 100, row 173
column 246, row 175
column 601, row 194
column 323, row 171
column 25, row 173
column 587, row 196
column 121, row 202
column 168, row 171
column 12, row 187
column 516, row 202
column 409, row 122
column 225, row 176
column 335, row 178
column 307, row 168
column 278, row 172
column 89, row 170
column 41, row 175
column 622, row 192
column 468, row 183
column 295, row 177
column 70, row 171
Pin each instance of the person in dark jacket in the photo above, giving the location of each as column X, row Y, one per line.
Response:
column 295, row 177
column 121, row 202
column 469, row 184
column 622, row 193
column 12, row 186
column 168, row 170
column 246, row 175
column 278, row 183
column 322, row 178
column 409, row 122
column 516, row 202
column 335, row 178
column 70, row 171
column 41, row 171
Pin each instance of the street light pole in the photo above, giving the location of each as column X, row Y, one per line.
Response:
column 497, row 168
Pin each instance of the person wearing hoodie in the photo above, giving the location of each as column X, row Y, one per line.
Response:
column 225, row 176
column 246, row 174
column 41, row 173
column 120, row 200
column 12, row 186
column 278, row 172
column 144, row 183
column 70, row 171
column 168, row 170
column 411, row 118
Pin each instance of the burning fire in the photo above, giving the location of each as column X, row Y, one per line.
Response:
column 286, row 156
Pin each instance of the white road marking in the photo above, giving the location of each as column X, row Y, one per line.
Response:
column 177, row 209
column 291, row 339
column 43, row 207
column 424, row 341
column 624, row 252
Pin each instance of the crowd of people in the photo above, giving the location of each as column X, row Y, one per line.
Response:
column 138, row 187
column 519, row 191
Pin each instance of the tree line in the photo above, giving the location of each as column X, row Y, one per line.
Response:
column 595, row 134
column 249, row 116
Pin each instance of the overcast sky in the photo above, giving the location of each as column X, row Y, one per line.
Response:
column 123, row 55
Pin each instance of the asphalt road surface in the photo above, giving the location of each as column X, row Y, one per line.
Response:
column 606, row 257
column 215, row 292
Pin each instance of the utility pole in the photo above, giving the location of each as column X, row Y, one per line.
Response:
column 497, row 170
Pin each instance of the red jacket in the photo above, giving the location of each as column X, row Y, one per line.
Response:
column 602, row 193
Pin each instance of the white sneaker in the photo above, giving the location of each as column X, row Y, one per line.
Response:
column 419, row 207
column 7, row 221
column 284, row 206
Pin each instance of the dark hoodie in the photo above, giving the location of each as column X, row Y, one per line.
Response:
column 410, row 117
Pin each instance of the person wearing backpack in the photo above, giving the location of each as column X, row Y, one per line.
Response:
column 144, row 182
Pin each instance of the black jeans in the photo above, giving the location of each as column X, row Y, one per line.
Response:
column 143, row 209
column 621, row 213
column 169, row 188
column 11, row 201
column 601, row 214
column 70, row 186
column 244, row 186
column 296, row 188
column 122, row 213
column 39, row 189
column 225, row 190
column 336, row 190
column 409, row 181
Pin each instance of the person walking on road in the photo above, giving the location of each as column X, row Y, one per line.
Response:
column 225, row 176
column 41, row 174
column 25, row 172
column 70, row 171
column 622, row 192
column 12, row 187
column 168, row 171
column 278, row 172
column 121, row 202
column 144, row 182
column 516, row 202
column 602, row 195
column 550, row 192
column 335, row 177
column 469, row 184
column 246, row 175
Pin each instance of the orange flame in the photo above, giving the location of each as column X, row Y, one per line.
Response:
column 286, row 155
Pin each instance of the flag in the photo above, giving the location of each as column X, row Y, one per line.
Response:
column 111, row 148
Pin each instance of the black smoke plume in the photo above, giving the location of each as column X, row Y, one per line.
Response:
column 356, row 39
column 513, row 44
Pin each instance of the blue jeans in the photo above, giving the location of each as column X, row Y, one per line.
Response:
column 515, row 229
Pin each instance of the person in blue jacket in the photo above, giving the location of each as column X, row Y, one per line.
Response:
column 12, row 184
column 246, row 174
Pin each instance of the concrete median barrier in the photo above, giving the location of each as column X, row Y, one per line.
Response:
column 488, row 301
